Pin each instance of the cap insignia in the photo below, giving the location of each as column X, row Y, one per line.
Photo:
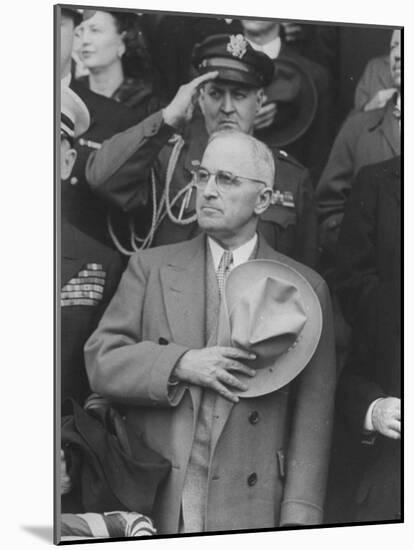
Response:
column 237, row 45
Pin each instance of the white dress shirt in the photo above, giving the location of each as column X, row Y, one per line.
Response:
column 240, row 255
column 271, row 49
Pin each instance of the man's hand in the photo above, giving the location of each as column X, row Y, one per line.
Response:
column 386, row 417
column 380, row 99
column 209, row 368
column 65, row 483
column 181, row 108
column 266, row 116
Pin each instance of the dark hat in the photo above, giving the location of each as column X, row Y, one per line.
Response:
column 270, row 309
column 294, row 91
column 234, row 58
column 75, row 14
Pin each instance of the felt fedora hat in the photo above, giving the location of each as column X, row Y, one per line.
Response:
column 271, row 310
column 294, row 91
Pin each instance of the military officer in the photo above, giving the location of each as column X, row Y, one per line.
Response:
column 158, row 156
column 90, row 271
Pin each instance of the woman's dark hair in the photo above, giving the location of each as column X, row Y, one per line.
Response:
column 136, row 61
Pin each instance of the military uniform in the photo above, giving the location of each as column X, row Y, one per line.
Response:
column 120, row 172
column 78, row 203
column 90, row 273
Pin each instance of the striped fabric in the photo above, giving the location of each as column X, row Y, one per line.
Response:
column 224, row 268
column 86, row 289
column 107, row 525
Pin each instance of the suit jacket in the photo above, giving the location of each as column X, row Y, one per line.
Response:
column 79, row 320
column 79, row 205
column 158, row 314
column 369, row 283
column 120, row 173
column 365, row 138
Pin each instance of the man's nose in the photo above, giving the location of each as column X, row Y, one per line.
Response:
column 210, row 190
column 85, row 36
column 227, row 105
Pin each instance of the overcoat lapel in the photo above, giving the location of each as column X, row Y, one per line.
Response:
column 182, row 283
column 390, row 130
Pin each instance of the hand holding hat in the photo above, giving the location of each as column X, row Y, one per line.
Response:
column 271, row 310
column 181, row 108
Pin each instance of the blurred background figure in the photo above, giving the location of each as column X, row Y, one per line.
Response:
column 312, row 144
column 172, row 38
column 90, row 272
column 365, row 138
column 78, row 204
column 113, row 49
column 376, row 85
column 365, row 479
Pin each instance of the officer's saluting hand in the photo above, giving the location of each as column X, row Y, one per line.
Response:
column 181, row 108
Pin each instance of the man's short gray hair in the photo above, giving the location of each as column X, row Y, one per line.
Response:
column 261, row 154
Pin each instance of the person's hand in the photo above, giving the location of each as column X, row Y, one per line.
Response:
column 210, row 368
column 181, row 108
column 386, row 417
column 266, row 116
column 380, row 99
column 65, row 483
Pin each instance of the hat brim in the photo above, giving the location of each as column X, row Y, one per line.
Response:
column 283, row 369
column 232, row 75
column 306, row 104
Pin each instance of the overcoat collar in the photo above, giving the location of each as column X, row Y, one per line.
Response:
column 390, row 129
column 182, row 281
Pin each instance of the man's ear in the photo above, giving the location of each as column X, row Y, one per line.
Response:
column 263, row 200
column 67, row 160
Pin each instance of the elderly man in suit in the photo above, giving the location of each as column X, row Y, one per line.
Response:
column 237, row 462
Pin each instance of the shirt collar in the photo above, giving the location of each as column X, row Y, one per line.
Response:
column 271, row 49
column 240, row 255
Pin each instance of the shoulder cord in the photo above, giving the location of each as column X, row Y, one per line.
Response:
column 158, row 212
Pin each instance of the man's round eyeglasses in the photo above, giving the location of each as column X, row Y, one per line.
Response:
column 224, row 180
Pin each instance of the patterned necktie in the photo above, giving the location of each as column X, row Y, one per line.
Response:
column 223, row 269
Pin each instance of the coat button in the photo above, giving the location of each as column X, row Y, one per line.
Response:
column 162, row 341
column 252, row 479
column 73, row 180
column 254, row 417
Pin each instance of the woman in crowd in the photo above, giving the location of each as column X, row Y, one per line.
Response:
column 113, row 50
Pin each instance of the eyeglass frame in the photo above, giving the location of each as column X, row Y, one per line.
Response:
column 220, row 188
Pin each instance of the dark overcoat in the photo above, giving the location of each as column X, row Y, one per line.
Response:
column 86, row 266
column 365, row 138
column 369, row 284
